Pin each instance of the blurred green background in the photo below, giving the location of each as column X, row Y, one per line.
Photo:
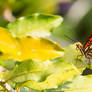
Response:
column 77, row 16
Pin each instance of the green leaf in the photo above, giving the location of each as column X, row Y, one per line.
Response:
column 72, row 54
column 42, row 75
column 79, row 84
column 36, row 25
column 9, row 64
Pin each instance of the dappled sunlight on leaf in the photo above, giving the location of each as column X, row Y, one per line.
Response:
column 52, row 72
column 36, row 25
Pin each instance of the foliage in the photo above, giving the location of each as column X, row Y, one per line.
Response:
column 79, row 84
column 36, row 25
column 37, row 63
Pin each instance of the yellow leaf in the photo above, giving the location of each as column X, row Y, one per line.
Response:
column 8, row 44
column 40, row 49
column 36, row 25
column 24, row 48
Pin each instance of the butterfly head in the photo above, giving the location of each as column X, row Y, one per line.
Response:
column 78, row 46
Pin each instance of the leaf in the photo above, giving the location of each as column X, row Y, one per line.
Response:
column 72, row 54
column 42, row 75
column 79, row 84
column 9, row 64
column 36, row 25
column 8, row 44
column 39, row 49
column 22, row 48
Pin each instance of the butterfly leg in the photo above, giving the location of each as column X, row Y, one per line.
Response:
column 89, row 62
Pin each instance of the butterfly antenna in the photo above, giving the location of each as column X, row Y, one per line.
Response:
column 70, row 38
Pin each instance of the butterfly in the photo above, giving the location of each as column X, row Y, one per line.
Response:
column 86, row 49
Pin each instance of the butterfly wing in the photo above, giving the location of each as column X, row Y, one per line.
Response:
column 87, row 48
column 88, row 43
